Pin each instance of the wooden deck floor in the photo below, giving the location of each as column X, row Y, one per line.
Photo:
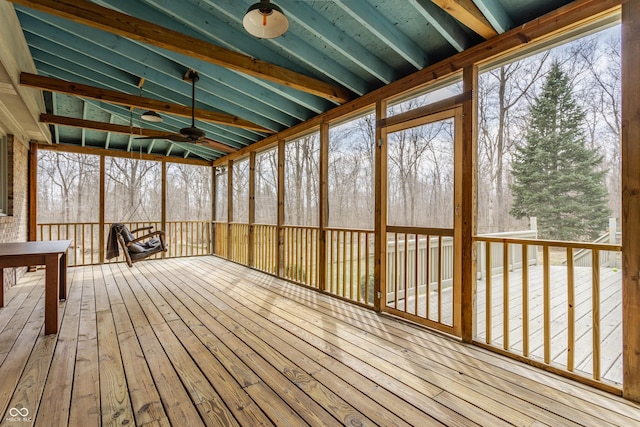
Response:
column 201, row 341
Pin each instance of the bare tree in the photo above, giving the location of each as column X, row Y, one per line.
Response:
column 188, row 192
column 241, row 191
column 266, row 196
column 133, row 190
column 69, row 181
column 301, row 181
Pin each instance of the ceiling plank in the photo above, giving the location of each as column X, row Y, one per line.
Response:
column 562, row 20
column 130, row 27
column 315, row 23
column 196, row 17
column 61, row 31
column 468, row 13
column 375, row 22
column 86, row 91
column 115, row 128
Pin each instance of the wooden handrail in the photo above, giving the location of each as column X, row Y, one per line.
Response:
column 551, row 243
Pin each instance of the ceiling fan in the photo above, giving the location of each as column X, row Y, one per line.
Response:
column 192, row 133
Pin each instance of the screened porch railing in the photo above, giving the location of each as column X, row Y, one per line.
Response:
column 556, row 312
column 350, row 264
column 184, row 238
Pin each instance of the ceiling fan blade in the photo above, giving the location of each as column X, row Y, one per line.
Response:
column 179, row 138
column 176, row 137
column 150, row 137
column 207, row 142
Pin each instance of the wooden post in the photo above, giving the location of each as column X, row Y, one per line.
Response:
column 212, row 232
column 33, row 192
column 380, row 218
column 101, row 238
column 323, row 218
column 163, row 202
column 467, row 210
column 280, row 221
column 630, row 200
column 229, row 208
column 252, row 209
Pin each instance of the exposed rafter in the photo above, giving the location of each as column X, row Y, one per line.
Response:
column 137, row 29
column 468, row 13
column 495, row 13
column 86, row 91
column 375, row 22
column 125, row 54
column 443, row 23
column 322, row 27
column 128, row 130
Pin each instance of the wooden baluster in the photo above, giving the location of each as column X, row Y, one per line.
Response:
column 595, row 310
column 488, row 297
column 505, row 296
column 570, row 310
column 546, row 303
column 416, row 282
column 440, row 264
column 525, row 300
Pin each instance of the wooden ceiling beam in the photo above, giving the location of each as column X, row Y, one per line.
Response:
column 69, row 148
column 127, row 130
column 115, row 22
column 468, row 14
column 120, row 98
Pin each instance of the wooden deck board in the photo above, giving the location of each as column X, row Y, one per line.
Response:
column 439, row 374
column 85, row 396
column 306, row 370
column 56, row 397
column 201, row 341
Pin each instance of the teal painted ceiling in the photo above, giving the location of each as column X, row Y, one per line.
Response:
column 358, row 45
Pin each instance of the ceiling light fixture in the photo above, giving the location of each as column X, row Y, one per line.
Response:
column 151, row 116
column 265, row 20
column 148, row 116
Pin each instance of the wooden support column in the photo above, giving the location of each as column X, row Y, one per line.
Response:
column 163, row 202
column 101, row 238
column 468, row 203
column 229, row 208
column 280, row 221
column 630, row 200
column 33, row 191
column 323, row 208
column 380, row 216
column 252, row 208
column 212, row 232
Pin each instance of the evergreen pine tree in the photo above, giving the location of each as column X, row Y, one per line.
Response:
column 556, row 177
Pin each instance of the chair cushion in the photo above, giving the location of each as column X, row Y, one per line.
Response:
column 151, row 243
column 134, row 247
